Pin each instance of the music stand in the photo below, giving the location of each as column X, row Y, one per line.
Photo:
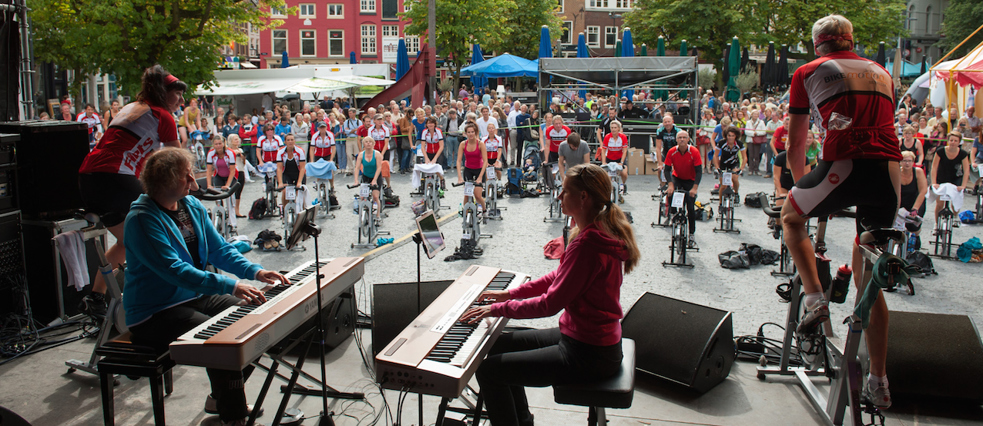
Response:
column 304, row 227
column 428, row 236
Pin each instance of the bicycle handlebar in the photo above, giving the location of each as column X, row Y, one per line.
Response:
column 462, row 183
column 216, row 194
column 372, row 187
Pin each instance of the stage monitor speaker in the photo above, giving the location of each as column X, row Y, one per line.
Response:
column 339, row 321
column 394, row 308
column 13, row 285
column 934, row 356
column 47, row 276
column 686, row 343
column 49, row 155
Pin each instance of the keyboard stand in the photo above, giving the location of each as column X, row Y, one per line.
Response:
column 296, row 371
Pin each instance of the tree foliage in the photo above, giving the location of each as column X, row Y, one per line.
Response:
column 760, row 21
column 707, row 25
column 523, row 28
column 459, row 24
column 124, row 37
column 746, row 80
column 962, row 17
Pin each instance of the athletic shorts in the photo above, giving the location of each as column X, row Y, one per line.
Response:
column 471, row 175
column 109, row 195
column 553, row 157
column 366, row 179
column 833, row 186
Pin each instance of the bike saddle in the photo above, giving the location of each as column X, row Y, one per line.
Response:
column 728, row 191
column 771, row 211
column 881, row 236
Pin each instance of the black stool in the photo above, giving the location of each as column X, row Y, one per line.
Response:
column 121, row 356
column 613, row 392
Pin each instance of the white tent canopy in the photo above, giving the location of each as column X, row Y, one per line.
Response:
column 293, row 79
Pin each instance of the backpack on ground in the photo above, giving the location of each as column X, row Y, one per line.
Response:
column 258, row 210
column 734, row 259
column 514, row 182
column 754, row 200
column 923, row 262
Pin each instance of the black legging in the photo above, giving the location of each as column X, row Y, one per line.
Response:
column 167, row 325
column 687, row 185
column 537, row 358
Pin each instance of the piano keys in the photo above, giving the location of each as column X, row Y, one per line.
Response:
column 241, row 334
column 437, row 354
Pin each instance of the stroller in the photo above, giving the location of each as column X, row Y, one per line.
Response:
column 531, row 161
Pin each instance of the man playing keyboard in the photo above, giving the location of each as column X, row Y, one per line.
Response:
column 168, row 291
column 587, row 285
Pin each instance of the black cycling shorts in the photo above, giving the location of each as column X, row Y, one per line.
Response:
column 471, row 175
column 833, row 186
column 366, row 178
column 553, row 157
column 109, row 195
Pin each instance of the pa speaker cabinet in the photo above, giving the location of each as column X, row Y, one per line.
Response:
column 686, row 343
column 49, row 154
column 47, row 277
column 339, row 321
column 934, row 356
column 394, row 308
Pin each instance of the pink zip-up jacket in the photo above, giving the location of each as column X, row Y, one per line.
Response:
column 587, row 284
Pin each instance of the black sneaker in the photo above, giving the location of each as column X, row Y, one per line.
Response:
column 93, row 305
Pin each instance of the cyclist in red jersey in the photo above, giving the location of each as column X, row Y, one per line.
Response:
column 109, row 176
column 555, row 134
column 615, row 145
column 267, row 145
column 852, row 99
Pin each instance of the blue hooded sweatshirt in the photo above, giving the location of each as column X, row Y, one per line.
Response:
column 160, row 273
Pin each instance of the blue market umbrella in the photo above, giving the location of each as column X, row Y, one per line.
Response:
column 545, row 45
column 582, row 53
column 478, row 81
column 285, row 62
column 402, row 59
column 683, row 51
column 733, row 68
column 351, row 58
column 627, row 51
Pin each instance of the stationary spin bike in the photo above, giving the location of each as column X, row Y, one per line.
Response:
column 470, row 223
column 728, row 199
column 554, row 186
column 679, row 242
column 367, row 222
column 823, row 354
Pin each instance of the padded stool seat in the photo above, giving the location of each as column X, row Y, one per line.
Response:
column 613, row 392
column 121, row 356
column 881, row 236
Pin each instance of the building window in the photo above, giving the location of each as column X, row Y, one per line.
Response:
column 594, row 36
column 368, row 40
column 306, row 11
column 336, row 43
column 597, row 4
column 367, row 6
column 279, row 41
column 566, row 33
column 308, row 43
column 610, row 36
column 389, row 9
column 928, row 20
column 390, row 30
column 560, row 4
column 621, row 4
column 336, row 11
column 277, row 12
column 412, row 45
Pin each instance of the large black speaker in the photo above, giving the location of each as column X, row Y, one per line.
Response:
column 934, row 356
column 686, row 343
column 13, row 285
column 49, row 155
column 394, row 308
column 339, row 321
column 47, row 277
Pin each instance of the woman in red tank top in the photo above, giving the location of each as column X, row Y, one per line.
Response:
column 472, row 152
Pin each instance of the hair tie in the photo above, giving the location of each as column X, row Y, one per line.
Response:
column 170, row 79
column 608, row 203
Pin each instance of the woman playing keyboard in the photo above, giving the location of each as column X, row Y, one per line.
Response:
column 169, row 240
column 586, row 286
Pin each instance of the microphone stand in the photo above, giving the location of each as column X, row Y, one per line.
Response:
column 310, row 228
column 418, row 239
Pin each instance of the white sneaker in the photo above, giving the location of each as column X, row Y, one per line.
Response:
column 880, row 396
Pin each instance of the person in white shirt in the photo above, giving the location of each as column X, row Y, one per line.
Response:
column 483, row 121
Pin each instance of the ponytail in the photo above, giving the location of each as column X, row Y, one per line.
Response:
column 610, row 219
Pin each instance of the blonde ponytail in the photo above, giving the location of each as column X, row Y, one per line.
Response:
column 610, row 219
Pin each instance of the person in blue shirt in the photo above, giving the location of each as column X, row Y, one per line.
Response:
column 231, row 126
column 283, row 129
column 169, row 241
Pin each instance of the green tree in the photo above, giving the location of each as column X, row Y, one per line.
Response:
column 460, row 23
column 523, row 28
column 676, row 21
column 962, row 17
column 123, row 37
